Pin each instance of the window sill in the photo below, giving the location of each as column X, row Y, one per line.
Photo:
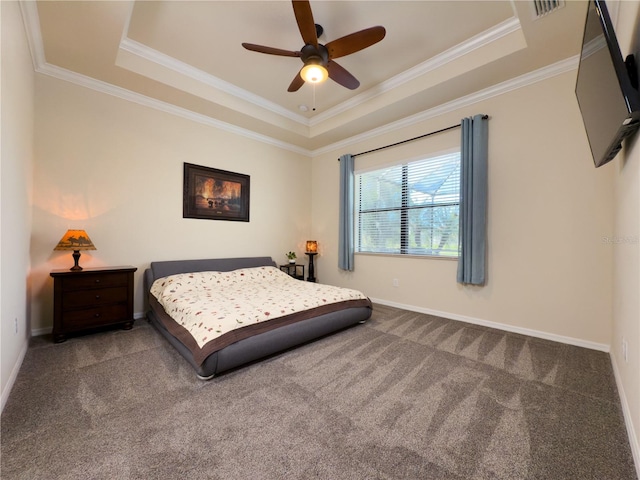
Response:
column 398, row 255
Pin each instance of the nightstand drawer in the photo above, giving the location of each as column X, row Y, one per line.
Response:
column 93, row 297
column 96, row 317
column 95, row 281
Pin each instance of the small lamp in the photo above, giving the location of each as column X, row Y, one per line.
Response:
column 75, row 240
column 312, row 249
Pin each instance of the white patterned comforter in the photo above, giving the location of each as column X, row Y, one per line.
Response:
column 210, row 304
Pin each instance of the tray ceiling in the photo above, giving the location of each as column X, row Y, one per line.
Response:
column 186, row 58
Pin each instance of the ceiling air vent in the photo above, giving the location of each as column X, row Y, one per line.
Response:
column 545, row 7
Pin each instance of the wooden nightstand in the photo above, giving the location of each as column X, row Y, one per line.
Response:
column 91, row 298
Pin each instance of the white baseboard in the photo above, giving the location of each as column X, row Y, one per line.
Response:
column 36, row 332
column 14, row 374
column 500, row 326
column 628, row 420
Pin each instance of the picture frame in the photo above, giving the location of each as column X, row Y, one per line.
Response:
column 213, row 194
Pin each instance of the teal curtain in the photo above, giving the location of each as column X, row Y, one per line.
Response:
column 473, row 200
column 345, row 230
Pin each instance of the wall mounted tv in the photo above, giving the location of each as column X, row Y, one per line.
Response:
column 606, row 87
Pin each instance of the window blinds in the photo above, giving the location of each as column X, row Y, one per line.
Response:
column 410, row 208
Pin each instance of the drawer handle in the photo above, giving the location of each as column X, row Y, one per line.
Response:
column 97, row 297
column 97, row 280
column 97, row 315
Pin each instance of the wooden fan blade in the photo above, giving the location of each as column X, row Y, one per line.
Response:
column 296, row 83
column 306, row 25
column 355, row 42
column 270, row 50
column 342, row 76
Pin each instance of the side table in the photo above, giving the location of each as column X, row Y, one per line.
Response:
column 295, row 270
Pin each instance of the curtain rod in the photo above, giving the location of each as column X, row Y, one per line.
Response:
column 412, row 139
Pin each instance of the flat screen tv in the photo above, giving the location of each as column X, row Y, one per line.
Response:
column 606, row 87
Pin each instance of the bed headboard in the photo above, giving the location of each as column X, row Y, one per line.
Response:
column 171, row 267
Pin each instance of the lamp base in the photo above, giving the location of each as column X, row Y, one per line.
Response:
column 76, row 258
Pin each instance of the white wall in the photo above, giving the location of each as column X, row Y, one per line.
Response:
column 15, row 189
column 549, row 273
column 115, row 168
column 626, row 248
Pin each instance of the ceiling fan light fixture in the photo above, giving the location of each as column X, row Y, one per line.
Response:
column 318, row 59
column 314, row 73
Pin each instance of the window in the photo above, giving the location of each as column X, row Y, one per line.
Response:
column 409, row 209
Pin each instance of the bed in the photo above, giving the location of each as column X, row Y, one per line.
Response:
column 251, row 310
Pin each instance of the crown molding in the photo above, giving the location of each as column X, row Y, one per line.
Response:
column 31, row 20
column 558, row 68
column 32, row 28
column 123, row 93
column 140, row 50
column 483, row 39
column 539, row 75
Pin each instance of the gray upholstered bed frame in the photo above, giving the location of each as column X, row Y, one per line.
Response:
column 257, row 346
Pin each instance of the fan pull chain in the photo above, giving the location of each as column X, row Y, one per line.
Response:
column 314, row 97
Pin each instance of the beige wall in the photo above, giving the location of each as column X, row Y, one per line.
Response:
column 15, row 181
column 626, row 279
column 115, row 168
column 549, row 273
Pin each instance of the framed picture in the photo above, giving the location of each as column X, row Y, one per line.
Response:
column 215, row 194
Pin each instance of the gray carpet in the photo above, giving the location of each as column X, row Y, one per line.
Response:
column 404, row 396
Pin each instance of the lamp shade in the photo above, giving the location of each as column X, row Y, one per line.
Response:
column 312, row 246
column 314, row 73
column 75, row 240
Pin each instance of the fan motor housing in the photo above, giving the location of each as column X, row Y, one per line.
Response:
column 309, row 53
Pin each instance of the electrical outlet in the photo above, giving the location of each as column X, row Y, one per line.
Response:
column 625, row 349
column 395, row 282
column 16, row 325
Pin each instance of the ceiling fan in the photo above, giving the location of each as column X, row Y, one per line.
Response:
column 318, row 59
